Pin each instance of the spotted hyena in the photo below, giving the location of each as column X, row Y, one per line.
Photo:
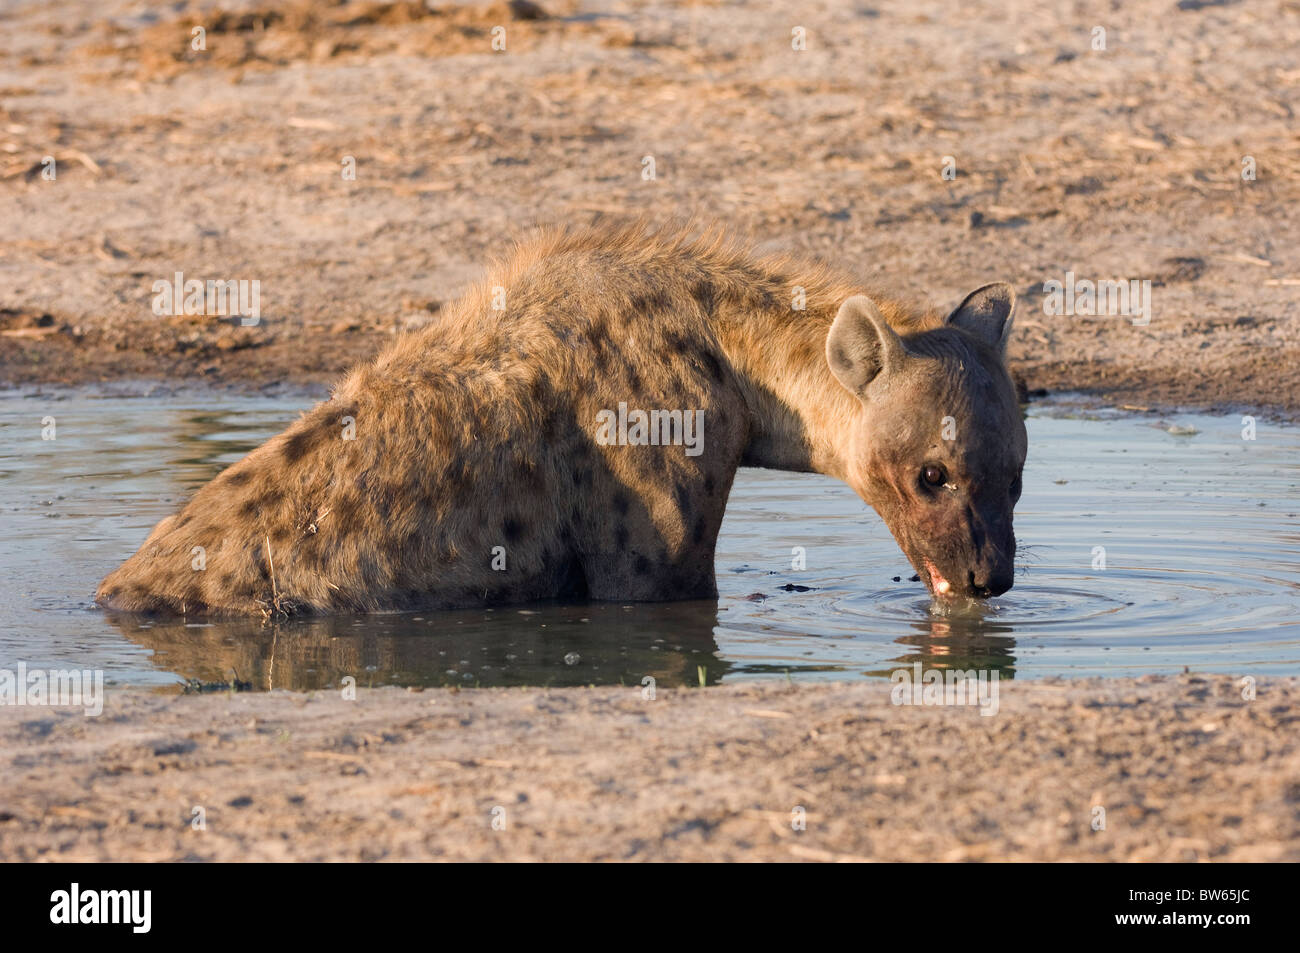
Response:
column 500, row 455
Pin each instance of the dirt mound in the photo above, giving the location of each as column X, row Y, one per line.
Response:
column 275, row 35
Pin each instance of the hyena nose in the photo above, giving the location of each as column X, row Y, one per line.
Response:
column 994, row 584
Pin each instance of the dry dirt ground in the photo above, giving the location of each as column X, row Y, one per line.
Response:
column 1183, row 767
column 226, row 163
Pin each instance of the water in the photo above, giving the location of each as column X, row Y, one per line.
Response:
column 1201, row 538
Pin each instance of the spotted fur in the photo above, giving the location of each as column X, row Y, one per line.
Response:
column 478, row 431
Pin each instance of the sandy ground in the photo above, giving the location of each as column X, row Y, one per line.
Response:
column 1185, row 769
column 1123, row 163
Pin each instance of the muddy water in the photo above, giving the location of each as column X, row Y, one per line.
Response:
column 1147, row 546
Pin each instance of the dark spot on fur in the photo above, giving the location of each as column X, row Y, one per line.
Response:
column 414, row 542
column 300, row 444
column 310, row 552
column 621, row 503
column 621, row 536
column 649, row 303
column 259, row 563
column 512, row 529
column 350, row 518
column 266, row 501
column 238, row 478
column 642, row 565
column 683, row 496
column 712, row 365
column 706, row 295
column 698, row 533
column 385, row 498
column 572, row 580
column 709, row 486
column 453, row 481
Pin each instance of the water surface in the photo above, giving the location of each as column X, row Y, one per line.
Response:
column 1199, row 529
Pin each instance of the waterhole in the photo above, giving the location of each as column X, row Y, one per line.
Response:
column 1147, row 545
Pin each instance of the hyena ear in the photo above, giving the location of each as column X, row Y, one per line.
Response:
column 861, row 344
column 986, row 313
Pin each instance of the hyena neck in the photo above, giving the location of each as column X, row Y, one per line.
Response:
column 800, row 416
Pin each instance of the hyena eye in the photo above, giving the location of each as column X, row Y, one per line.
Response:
column 932, row 475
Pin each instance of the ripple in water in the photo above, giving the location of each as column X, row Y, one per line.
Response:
column 1025, row 605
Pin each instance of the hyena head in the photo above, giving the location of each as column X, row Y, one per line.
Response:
column 939, row 443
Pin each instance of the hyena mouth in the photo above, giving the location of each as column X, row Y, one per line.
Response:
column 938, row 584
